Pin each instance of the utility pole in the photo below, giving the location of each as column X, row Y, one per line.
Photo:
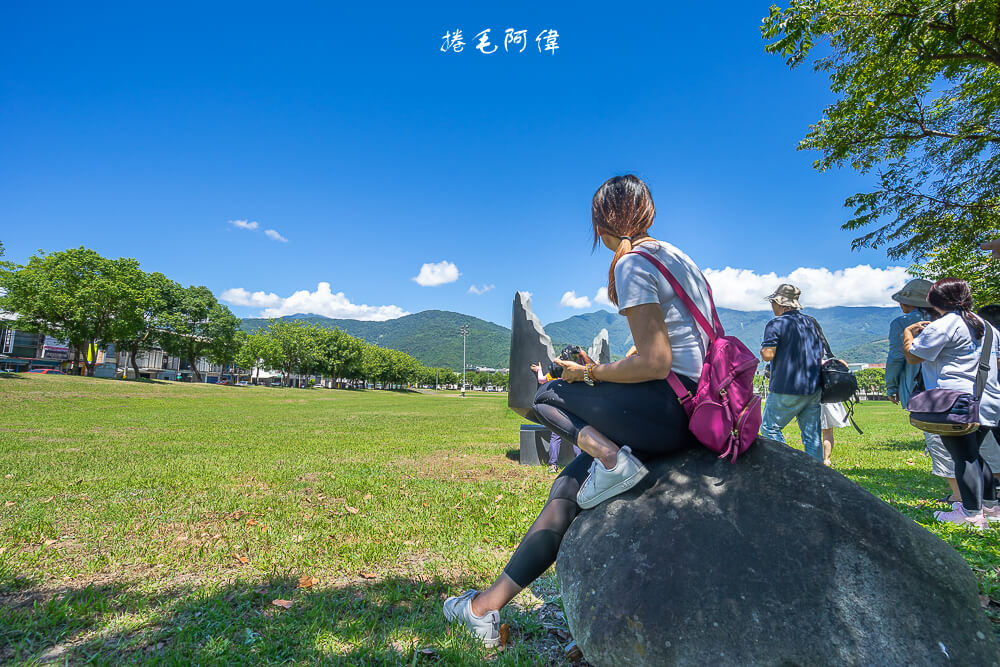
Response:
column 464, row 330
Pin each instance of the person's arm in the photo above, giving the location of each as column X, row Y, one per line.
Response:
column 895, row 360
column 538, row 373
column 772, row 336
column 654, row 360
column 910, row 335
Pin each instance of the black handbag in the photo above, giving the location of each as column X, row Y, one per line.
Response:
column 836, row 380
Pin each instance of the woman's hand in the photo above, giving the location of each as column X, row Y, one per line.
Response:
column 909, row 334
column 572, row 371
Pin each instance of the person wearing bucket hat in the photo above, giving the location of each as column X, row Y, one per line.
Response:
column 901, row 378
column 793, row 346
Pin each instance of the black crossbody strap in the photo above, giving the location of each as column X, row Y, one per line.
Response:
column 826, row 346
column 984, row 360
column 850, row 416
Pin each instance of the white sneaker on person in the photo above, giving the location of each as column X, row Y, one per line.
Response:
column 602, row 483
column 486, row 628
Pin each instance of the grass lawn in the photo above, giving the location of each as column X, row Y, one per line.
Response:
column 158, row 522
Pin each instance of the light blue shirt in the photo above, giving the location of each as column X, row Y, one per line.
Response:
column 901, row 377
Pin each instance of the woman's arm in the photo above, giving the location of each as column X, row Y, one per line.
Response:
column 655, row 357
column 909, row 334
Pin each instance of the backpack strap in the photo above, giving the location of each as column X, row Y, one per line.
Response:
column 683, row 395
column 984, row 360
column 849, row 406
column 711, row 331
column 826, row 346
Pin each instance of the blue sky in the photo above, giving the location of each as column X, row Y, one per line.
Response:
column 145, row 131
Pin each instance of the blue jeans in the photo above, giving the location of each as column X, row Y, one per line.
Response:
column 780, row 409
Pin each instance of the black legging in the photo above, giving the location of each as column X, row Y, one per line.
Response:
column 645, row 416
column 972, row 472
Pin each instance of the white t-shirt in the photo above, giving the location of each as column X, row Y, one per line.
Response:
column 639, row 282
column 952, row 362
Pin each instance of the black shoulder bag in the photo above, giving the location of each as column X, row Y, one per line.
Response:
column 836, row 380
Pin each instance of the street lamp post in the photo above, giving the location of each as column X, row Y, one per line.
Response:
column 464, row 330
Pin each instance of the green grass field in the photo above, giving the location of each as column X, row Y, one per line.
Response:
column 157, row 522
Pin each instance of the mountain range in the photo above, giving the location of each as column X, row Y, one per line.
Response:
column 856, row 334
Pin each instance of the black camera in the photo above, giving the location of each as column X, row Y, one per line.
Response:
column 569, row 353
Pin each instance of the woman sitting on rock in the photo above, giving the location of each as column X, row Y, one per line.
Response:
column 620, row 414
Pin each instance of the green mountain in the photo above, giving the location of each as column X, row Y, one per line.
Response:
column 431, row 336
column 855, row 334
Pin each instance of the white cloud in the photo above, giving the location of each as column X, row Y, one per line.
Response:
column 862, row 285
column 441, row 273
column 571, row 300
column 274, row 236
column 480, row 290
column 602, row 298
column 321, row 302
column 243, row 224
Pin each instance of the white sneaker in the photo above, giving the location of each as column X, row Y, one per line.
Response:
column 486, row 627
column 602, row 483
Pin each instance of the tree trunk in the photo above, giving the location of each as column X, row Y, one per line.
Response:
column 194, row 369
column 134, row 352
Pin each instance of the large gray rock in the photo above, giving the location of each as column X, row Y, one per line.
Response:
column 776, row 560
column 529, row 344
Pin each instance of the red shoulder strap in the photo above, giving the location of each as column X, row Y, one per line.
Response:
column 711, row 331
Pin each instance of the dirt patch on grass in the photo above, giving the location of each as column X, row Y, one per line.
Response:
column 446, row 466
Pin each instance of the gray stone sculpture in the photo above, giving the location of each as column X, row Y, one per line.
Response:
column 529, row 344
column 773, row 560
column 600, row 351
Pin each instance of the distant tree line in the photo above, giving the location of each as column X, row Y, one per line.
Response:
column 87, row 300
column 296, row 347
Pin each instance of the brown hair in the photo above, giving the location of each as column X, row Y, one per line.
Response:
column 954, row 295
column 622, row 207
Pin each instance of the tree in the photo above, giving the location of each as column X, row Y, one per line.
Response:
column 977, row 268
column 291, row 346
column 871, row 380
column 252, row 349
column 502, row 380
column 341, row 354
column 139, row 328
column 76, row 295
column 197, row 325
column 918, row 85
column 375, row 363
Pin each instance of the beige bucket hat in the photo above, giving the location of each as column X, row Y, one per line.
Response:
column 786, row 296
column 914, row 293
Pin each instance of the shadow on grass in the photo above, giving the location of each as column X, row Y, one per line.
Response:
column 514, row 454
column 10, row 376
column 912, row 445
column 395, row 620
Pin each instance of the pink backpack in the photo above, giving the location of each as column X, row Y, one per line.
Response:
column 724, row 414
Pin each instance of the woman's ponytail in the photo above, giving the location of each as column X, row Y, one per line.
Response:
column 622, row 207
